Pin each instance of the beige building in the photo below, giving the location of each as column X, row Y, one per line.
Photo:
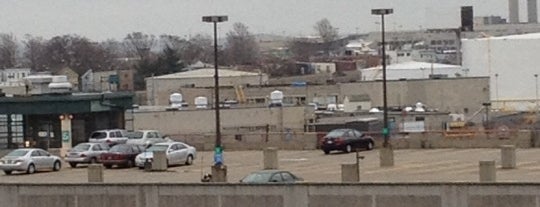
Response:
column 200, row 78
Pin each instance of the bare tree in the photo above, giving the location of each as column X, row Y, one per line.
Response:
column 8, row 50
column 327, row 32
column 198, row 48
column 140, row 44
column 241, row 47
column 34, row 52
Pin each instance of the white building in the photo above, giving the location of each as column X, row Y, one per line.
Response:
column 413, row 70
column 13, row 76
column 511, row 63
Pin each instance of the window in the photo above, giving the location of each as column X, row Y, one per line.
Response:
column 419, row 118
column 118, row 134
column 43, row 153
column 35, row 154
column 276, row 178
column 181, row 146
column 287, row 177
column 96, row 148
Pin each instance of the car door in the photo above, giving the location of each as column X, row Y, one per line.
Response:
column 183, row 153
column 37, row 159
column 48, row 160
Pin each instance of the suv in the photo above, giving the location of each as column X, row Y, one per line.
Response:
column 145, row 138
column 109, row 136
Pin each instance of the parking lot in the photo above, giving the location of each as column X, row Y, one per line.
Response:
column 437, row 165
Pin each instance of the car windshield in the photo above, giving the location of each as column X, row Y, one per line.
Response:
column 257, row 177
column 82, row 147
column 18, row 153
column 135, row 135
column 120, row 148
column 336, row 133
column 98, row 135
column 157, row 148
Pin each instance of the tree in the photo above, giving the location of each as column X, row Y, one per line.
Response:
column 241, row 47
column 140, row 44
column 34, row 53
column 198, row 48
column 326, row 31
column 8, row 50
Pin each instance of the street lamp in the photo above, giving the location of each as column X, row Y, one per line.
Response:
column 383, row 12
column 496, row 87
column 536, row 82
column 218, row 156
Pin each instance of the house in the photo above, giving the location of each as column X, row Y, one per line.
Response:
column 352, row 103
column 13, row 76
column 72, row 76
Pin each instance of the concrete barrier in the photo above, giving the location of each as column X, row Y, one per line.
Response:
column 349, row 173
column 271, row 195
column 508, row 156
column 270, row 158
column 95, row 173
column 487, row 171
column 219, row 174
column 159, row 161
column 386, row 156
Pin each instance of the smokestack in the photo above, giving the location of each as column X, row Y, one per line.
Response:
column 513, row 11
column 532, row 11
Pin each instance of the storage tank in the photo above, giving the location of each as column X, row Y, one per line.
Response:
column 201, row 102
column 176, row 100
column 276, row 98
column 60, row 84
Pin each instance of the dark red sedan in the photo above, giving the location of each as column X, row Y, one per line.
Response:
column 121, row 155
column 346, row 140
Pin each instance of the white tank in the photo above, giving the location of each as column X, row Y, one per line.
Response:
column 60, row 82
column 176, row 100
column 276, row 97
column 201, row 102
column 419, row 107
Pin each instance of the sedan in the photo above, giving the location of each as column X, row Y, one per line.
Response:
column 29, row 160
column 271, row 176
column 121, row 155
column 86, row 153
column 177, row 153
column 346, row 140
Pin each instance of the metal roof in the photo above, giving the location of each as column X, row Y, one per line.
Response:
column 205, row 73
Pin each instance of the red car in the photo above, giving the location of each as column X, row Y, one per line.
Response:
column 346, row 140
column 121, row 155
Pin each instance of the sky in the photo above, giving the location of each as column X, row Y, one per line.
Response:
column 114, row 19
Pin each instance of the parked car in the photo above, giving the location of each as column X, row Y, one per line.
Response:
column 86, row 153
column 346, row 140
column 109, row 136
column 145, row 138
column 121, row 155
column 271, row 176
column 177, row 153
column 29, row 160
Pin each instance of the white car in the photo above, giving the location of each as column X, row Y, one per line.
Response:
column 177, row 153
column 145, row 138
column 109, row 136
column 29, row 160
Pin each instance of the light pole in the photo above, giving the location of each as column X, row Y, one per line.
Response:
column 383, row 12
column 496, row 88
column 536, row 100
column 218, row 156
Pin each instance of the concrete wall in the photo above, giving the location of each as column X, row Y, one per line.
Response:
column 299, row 195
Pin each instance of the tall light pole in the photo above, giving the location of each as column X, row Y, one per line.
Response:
column 386, row 131
column 218, row 157
column 536, row 100
column 496, row 88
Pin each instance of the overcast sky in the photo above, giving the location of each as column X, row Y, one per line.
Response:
column 103, row 19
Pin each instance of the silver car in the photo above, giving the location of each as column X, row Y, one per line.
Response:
column 145, row 138
column 86, row 153
column 177, row 153
column 29, row 160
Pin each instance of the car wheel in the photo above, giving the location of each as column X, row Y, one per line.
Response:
column 31, row 169
column 189, row 160
column 7, row 172
column 73, row 164
column 57, row 166
column 93, row 160
column 326, row 152
column 348, row 148
column 108, row 166
column 369, row 146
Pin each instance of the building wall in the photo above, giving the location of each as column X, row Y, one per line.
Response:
column 276, row 195
column 244, row 120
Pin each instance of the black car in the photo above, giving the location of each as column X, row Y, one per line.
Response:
column 346, row 140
